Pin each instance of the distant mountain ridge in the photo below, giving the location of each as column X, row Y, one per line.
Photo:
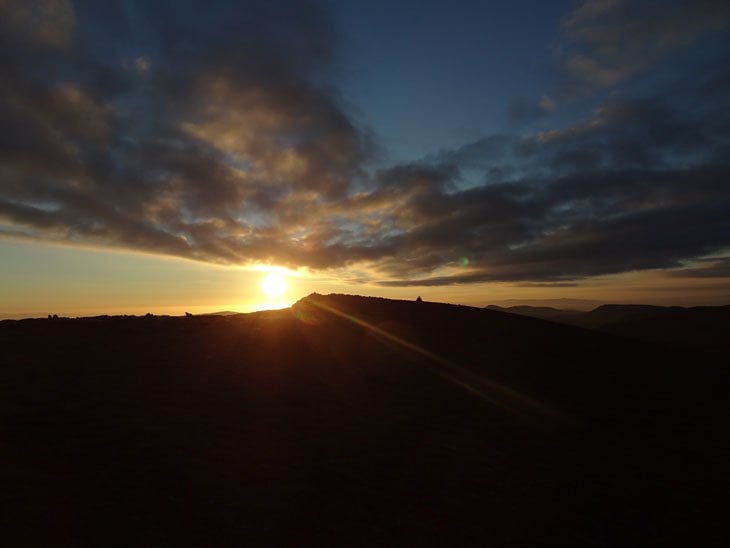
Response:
column 562, row 303
column 702, row 328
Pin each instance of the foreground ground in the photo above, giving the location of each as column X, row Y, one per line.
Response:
column 353, row 421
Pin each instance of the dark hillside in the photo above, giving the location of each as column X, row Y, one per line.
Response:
column 699, row 328
column 354, row 421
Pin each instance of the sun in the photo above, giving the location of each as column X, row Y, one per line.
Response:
column 274, row 285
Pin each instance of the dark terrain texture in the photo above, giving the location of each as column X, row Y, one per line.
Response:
column 350, row 421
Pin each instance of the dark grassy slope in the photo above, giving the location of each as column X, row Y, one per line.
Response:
column 305, row 427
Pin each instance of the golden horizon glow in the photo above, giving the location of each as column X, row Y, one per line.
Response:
column 41, row 278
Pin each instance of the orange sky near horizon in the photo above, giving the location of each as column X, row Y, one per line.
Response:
column 78, row 281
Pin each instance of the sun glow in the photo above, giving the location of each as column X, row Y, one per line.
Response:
column 274, row 285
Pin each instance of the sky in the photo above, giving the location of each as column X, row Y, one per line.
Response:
column 169, row 156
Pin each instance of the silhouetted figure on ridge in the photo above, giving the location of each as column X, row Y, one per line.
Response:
column 419, row 299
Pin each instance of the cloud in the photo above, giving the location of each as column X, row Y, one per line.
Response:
column 711, row 267
column 598, row 73
column 569, row 228
column 142, row 64
column 547, row 104
column 233, row 147
column 521, row 111
column 42, row 23
column 605, row 42
column 640, row 185
column 213, row 146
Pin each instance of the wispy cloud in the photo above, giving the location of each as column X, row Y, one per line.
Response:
column 711, row 267
column 605, row 42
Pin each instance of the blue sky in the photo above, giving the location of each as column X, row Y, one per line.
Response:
column 411, row 146
column 460, row 62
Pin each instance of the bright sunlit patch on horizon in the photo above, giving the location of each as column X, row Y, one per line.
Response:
column 274, row 285
column 261, row 306
column 278, row 287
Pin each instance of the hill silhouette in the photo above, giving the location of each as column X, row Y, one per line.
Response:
column 357, row 421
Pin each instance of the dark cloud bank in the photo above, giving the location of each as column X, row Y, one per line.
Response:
column 216, row 134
